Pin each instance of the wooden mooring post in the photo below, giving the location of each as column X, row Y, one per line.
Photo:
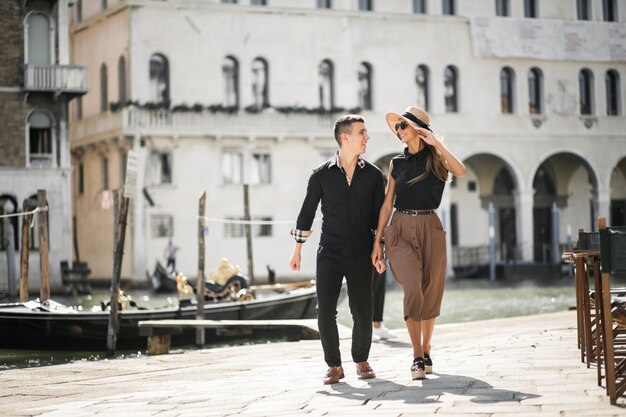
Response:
column 119, row 233
column 200, row 279
column 248, row 229
column 24, row 251
column 42, row 203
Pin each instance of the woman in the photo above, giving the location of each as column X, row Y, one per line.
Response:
column 415, row 241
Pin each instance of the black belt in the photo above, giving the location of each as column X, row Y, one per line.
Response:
column 411, row 212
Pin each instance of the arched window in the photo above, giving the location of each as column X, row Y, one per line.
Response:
column 583, row 9
column 422, row 82
column 503, row 8
column 121, row 80
column 507, row 87
column 159, row 79
column 531, row 8
column 41, row 149
column 39, row 38
column 104, row 89
column 450, row 78
column 535, row 91
column 230, row 72
column 259, row 83
column 609, row 9
column 585, row 83
column 449, row 7
column 419, row 6
column 613, row 89
column 365, row 86
column 8, row 205
column 326, row 84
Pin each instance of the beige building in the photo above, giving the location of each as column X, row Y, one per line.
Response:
column 213, row 94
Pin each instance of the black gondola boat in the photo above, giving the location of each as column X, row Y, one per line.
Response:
column 33, row 325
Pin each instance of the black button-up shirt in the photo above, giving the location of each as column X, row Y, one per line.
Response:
column 422, row 195
column 350, row 212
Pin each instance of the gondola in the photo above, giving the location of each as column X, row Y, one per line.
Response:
column 34, row 325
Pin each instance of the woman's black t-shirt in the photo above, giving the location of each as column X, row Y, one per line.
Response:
column 422, row 195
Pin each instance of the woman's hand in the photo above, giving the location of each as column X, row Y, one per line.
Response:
column 378, row 259
column 427, row 136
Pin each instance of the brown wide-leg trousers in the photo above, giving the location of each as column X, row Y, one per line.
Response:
column 416, row 248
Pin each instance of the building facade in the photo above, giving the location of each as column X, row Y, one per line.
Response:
column 36, row 84
column 529, row 95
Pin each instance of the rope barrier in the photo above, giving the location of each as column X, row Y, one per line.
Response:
column 37, row 210
column 251, row 222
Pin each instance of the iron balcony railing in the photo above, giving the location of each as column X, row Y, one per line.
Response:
column 60, row 79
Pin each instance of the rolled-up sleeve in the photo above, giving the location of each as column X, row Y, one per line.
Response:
column 307, row 213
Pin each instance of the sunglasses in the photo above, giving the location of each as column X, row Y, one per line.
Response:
column 402, row 125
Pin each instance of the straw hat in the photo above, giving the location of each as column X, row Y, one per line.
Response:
column 414, row 116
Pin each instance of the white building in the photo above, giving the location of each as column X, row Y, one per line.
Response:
column 212, row 94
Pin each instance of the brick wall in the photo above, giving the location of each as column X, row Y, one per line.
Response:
column 15, row 106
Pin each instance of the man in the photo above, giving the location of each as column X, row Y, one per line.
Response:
column 170, row 255
column 351, row 192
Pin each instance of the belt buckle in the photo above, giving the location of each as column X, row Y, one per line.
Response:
column 413, row 213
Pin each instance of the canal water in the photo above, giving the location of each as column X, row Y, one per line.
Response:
column 464, row 300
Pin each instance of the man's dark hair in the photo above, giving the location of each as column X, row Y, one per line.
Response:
column 344, row 125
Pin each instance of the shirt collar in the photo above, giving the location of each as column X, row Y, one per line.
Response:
column 335, row 161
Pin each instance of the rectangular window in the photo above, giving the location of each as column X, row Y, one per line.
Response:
column 261, row 168
column 229, row 1
column 449, row 8
column 530, row 8
column 232, row 167
column 583, row 7
column 104, row 170
column 160, row 168
column 238, row 230
column 365, row 5
column 81, row 179
column 166, row 168
column 162, row 225
column 258, row 2
column 262, row 230
column 502, row 8
column 324, row 4
column 419, row 6
column 609, row 10
column 233, row 230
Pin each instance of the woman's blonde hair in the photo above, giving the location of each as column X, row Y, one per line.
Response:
column 434, row 164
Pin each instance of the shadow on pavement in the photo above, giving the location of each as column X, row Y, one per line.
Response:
column 429, row 390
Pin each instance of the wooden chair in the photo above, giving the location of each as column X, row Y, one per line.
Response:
column 612, row 312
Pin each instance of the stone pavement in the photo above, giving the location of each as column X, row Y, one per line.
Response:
column 515, row 366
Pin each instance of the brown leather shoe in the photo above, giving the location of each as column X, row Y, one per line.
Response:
column 364, row 370
column 333, row 375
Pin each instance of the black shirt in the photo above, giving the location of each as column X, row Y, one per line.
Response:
column 350, row 212
column 422, row 195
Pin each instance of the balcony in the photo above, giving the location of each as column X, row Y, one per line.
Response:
column 58, row 79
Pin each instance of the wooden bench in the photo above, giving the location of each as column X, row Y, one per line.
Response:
column 76, row 278
column 159, row 332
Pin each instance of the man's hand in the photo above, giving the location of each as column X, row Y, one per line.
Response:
column 294, row 262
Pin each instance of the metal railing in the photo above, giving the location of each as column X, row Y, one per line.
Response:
column 56, row 78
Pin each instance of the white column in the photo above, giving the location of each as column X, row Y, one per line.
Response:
column 524, row 223
column 64, row 54
column 603, row 207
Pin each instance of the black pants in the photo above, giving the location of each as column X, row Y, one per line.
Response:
column 331, row 269
column 171, row 261
column 379, row 287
